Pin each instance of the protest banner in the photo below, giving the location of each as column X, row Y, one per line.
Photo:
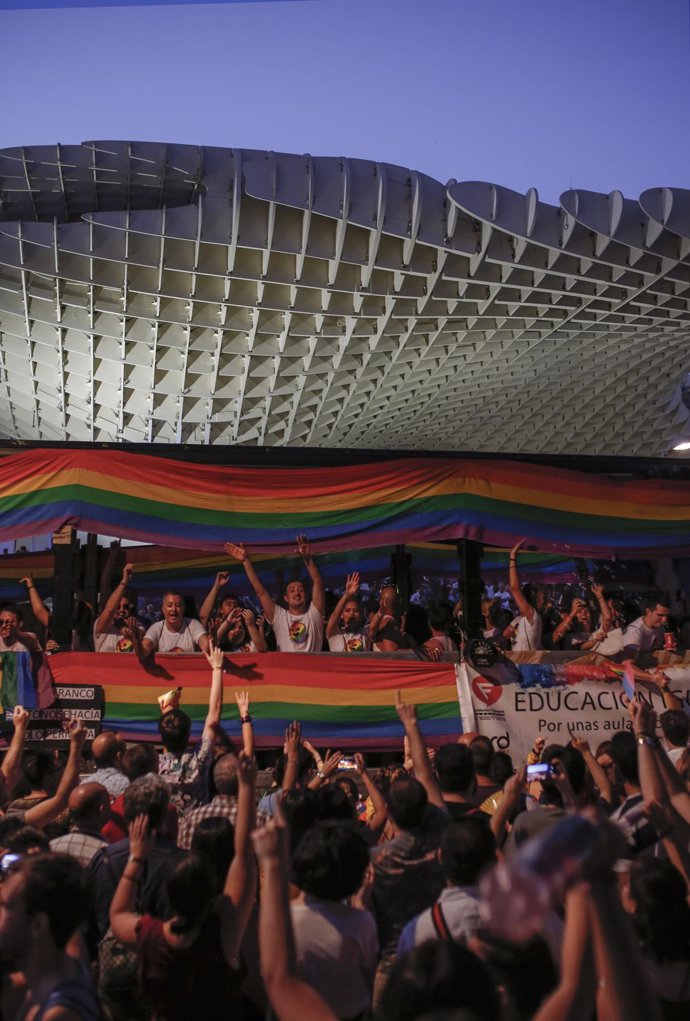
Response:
column 72, row 701
column 513, row 702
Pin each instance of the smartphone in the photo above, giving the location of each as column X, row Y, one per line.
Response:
column 540, row 771
column 8, row 860
column 347, row 762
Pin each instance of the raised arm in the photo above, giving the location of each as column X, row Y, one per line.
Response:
column 240, row 884
column 565, row 625
column 524, row 607
column 293, row 743
column 659, row 779
column 512, row 791
column 604, row 608
column 573, row 998
column 242, row 699
column 210, row 600
column 420, row 760
column 291, row 998
column 123, row 917
column 105, row 618
column 38, row 607
column 380, row 813
column 318, row 594
column 258, row 637
column 11, row 764
column 43, row 813
column 239, row 553
column 351, row 590
column 596, row 771
column 214, row 657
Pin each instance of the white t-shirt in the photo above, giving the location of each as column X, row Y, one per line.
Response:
column 112, row 640
column 528, row 634
column 298, row 632
column 350, row 641
column 642, row 638
column 184, row 640
column 15, row 647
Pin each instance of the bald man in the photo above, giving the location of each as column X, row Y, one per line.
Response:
column 107, row 750
column 89, row 809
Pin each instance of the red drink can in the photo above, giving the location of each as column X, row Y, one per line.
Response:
column 669, row 641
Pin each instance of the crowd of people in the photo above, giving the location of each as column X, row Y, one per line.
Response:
column 452, row 883
column 137, row 885
column 308, row 618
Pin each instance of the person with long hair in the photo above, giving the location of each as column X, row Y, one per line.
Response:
column 189, row 963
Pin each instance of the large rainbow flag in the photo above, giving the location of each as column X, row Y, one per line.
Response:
column 341, row 701
column 175, row 503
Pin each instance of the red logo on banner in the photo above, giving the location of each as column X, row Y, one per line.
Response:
column 485, row 691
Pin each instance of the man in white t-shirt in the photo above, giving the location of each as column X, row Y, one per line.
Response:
column 175, row 633
column 525, row 630
column 299, row 628
column 642, row 637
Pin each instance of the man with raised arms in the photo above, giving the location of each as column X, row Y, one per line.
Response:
column 299, row 628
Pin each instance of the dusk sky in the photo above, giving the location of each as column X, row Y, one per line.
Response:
column 593, row 94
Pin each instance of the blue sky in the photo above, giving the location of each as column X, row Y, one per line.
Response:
column 592, row 94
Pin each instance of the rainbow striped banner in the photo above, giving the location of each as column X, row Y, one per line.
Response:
column 341, row 701
column 174, row 503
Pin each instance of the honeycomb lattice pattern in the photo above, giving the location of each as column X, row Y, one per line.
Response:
column 170, row 293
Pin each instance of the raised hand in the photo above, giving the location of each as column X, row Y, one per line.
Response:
column 352, row 584
column 268, row 840
column 127, row 574
column 359, row 763
column 293, row 738
column 28, row 581
column 222, row 576
column 246, row 769
column 597, row 589
column 247, row 616
column 303, row 549
column 407, row 711
column 331, row 763
column 20, row 717
column 77, row 732
column 517, row 547
column 643, row 718
column 141, row 837
column 214, row 656
column 539, row 744
column 579, row 743
column 242, row 699
column 236, row 551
